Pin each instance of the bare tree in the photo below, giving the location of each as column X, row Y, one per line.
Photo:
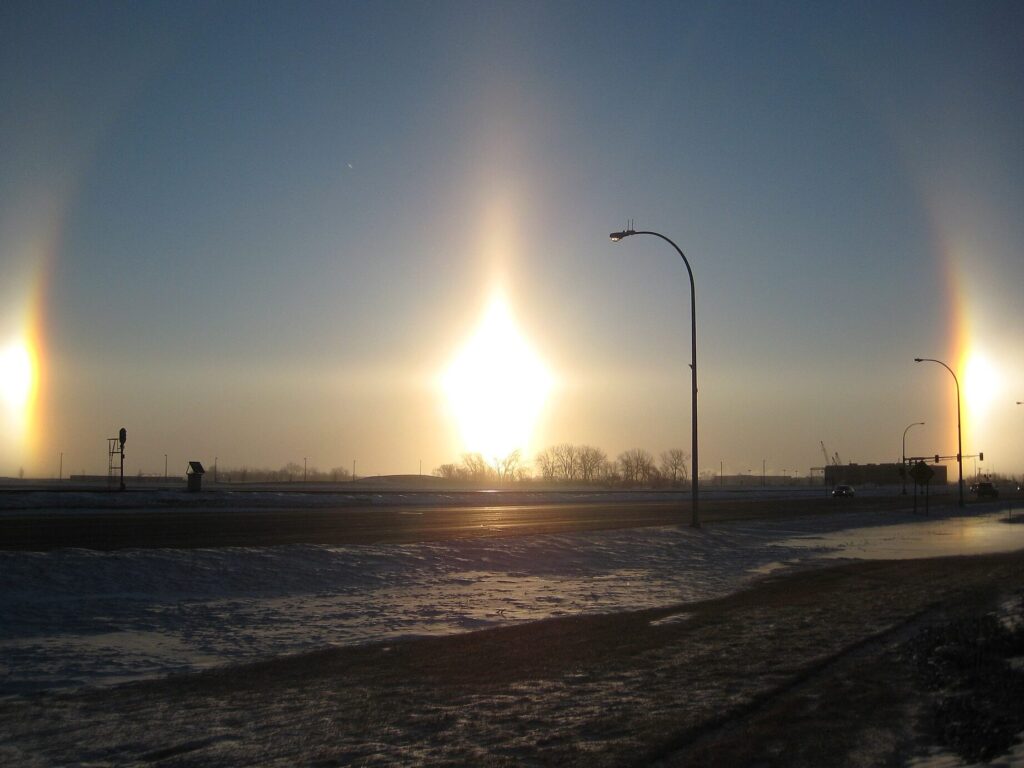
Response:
column 449, row 471
column 645, row 466
column 610, row 472
column 567, row 461
column 476, row 467
column 637, row 466
column 627, row 465
column 590, row 461
column 673, row 464
column 506, row 467
column 546, row 463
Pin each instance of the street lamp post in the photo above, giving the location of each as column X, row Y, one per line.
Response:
column 959, row 441
column 616, row 237
column 904, row 472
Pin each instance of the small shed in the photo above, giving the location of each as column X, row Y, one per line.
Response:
column 195, row 473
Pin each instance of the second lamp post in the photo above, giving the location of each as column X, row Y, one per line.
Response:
column 903, row 468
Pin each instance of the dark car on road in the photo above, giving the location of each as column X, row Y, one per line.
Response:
column 987, row 491
column 842, row 490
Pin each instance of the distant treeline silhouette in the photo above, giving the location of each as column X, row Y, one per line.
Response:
column 570, row 463
column 289, row 473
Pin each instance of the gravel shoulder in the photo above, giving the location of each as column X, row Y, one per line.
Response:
column 802, row 669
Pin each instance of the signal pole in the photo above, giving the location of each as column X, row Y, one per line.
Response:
column 122, row 437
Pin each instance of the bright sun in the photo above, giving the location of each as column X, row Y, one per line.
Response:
column 496, row 386
column 981, row 385
column 17, row 377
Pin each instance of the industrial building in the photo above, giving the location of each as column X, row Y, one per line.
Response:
column 875, row 474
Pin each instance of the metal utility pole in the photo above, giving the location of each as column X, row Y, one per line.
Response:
column 122, row 437
column 904, row 472
column 616, row 237
column 959, row 440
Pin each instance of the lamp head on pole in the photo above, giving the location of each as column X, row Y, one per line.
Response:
column 629, row 230
column 918, row 359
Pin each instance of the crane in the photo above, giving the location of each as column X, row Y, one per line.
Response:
column 833, row 459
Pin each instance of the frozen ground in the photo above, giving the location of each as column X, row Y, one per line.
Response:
column 81, row 617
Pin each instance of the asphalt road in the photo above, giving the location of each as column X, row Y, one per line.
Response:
column 241, row 527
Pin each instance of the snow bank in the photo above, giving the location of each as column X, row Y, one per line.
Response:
column 81, row 617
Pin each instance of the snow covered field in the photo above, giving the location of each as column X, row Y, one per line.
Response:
column 81, row 617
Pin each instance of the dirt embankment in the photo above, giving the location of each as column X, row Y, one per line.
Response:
column 806, row 669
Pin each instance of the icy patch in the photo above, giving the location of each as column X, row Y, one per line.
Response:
column 673, row 618
column 83, row 617
column 937, row 537
column 940, row 758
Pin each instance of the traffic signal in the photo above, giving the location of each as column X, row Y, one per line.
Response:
column 981, row 456
column 936, row 458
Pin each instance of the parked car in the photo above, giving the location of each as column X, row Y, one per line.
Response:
column 987, row 490
column 843, row 490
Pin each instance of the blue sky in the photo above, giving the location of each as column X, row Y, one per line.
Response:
column 260, row 231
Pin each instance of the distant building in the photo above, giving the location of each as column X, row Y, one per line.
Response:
column 875, row 474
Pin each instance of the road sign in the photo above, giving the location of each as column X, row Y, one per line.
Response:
column 921, row 473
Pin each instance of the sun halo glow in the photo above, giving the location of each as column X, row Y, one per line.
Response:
column 496, row 386
column 981, row 386
column 18, row 385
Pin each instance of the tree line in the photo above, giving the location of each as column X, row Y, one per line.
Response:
column 289, row 473
column 571, row 463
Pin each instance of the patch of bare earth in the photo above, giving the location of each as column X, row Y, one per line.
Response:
column 803, row 669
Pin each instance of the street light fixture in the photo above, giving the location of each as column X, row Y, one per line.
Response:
column 616, row 237
column 959, row 441
column 904, row 472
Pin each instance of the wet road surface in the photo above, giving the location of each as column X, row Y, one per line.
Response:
column 42, row 530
